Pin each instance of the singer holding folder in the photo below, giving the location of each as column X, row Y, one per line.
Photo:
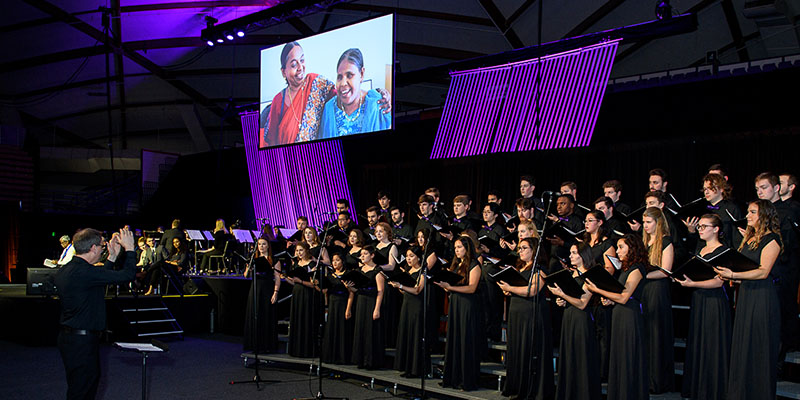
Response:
column 708, row 344
column 627, row 364
column 337, row 339
column 657, row 301
column 465, row 342
column 303, row 322
column 756, row 329
column 268, row 279
column 578, row 352
column 408, row 358
column 528, row 340
column 368, row 337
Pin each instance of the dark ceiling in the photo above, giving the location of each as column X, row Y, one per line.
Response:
column 169, row 91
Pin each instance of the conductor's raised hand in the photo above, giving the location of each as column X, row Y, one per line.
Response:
column 126, row 239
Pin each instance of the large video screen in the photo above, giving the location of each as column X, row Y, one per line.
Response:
column 334, row 84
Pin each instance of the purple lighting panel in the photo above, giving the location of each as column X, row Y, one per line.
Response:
column 495, row 109
column 288, row 182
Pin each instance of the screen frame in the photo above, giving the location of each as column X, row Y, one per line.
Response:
column 392, row 91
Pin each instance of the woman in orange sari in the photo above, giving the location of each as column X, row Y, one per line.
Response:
column 296, row 111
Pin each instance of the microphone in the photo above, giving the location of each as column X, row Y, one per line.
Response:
column 549, row 193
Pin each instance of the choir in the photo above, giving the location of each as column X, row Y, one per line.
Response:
column 596, row 281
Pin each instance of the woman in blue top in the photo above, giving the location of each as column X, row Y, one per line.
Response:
column 352, row 110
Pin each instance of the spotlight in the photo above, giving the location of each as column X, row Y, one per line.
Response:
column 663, row 10
column 228, row 36
column 210, row 43
column 239, row 33
column 220, row 40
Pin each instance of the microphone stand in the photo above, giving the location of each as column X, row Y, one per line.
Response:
column 256, row 377
column 535, row 274
column 321, row 274
column 425, row 354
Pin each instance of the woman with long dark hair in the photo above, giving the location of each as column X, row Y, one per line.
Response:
column 465, row 342
column 600, row 245
column 268, row 279
column 409, row 357
column 708, row 344
column 303, row 313
column 627, row 363
column 391, row 299
column 657, row 301
column 578, row 354
column 368, row 337
column 337, row 339
column 756, row 328
column 529, row 339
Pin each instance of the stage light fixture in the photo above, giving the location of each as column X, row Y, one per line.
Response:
column 228, row 36
column 663, row 10
column 210, row 43
column 220, row 40
column 239, row 33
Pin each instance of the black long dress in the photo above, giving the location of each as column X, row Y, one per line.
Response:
column 526, row 340
column 578, row 357
column 409, row 357
column 627, row 361
column 303, row 319
column 267, row 312
column 352, row 260
column 337, row 339
column 368, row 337
column 601, row 313
column 660, row 338
column 390, row 307
column 708, row 344
column 465, row 340
column 756, row 335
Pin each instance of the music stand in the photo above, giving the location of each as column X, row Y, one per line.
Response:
column 144, row 349
column 196, row 236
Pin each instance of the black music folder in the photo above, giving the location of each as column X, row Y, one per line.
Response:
column 300, row 273
column 694, row 208
column 603, row 280
column 635, row 215
column 359, row 279
column 400, row 277
column 739, row 223
column 566, row 282
column 329, row 281
column 560, row 230
column 730, row 258
column 445, row 275
column 511, row 276
column 511, row 222
column 696, row 268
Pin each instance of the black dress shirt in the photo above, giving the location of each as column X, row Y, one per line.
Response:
column 81, row 287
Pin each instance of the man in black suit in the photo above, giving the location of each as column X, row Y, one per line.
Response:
column 175, row 232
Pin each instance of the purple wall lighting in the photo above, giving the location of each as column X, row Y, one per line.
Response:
column 287, row 182
column 493, row 109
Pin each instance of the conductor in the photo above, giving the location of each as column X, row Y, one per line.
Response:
column 81, row 287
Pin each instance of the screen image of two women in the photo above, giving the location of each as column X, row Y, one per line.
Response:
column 312, row 107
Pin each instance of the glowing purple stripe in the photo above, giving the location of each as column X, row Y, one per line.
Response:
column 494, row 109
column 287, row 182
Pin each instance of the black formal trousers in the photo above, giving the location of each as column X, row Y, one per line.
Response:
column 81, row 356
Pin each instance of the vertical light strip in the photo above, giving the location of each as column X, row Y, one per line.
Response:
column 494, row 109
column 288, row 182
